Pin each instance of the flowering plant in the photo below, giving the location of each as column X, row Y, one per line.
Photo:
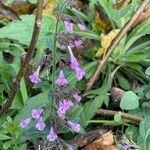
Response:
column 64, row 96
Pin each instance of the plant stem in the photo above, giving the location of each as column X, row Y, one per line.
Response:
column 55, row 48
column 55, row 55
column 127, row 116
column 114, row 43
column 25, row 63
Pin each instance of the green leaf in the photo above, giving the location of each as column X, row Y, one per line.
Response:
column 7, row 144
column 90, row 108
column 33, row 102
column 4, row 137
column 15, row 29
column 32, row 133
column 88, row 35
column 129, row 101
column 23, row 90
column 123, row 82
column 139, row 31
column 148, row 71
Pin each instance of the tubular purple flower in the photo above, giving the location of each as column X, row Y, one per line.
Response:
column 71, row 45
column 52, row 136
column 81, row 27
column 77, row 97
column 61, row 81
column 60, row 114
column 74, row 62
column 78, row 42
column 40, row 124
column 36, row 113
column 24, row 123
column 68, row 26
column 34, row 78
column 80, row 73
column 75, row 126
column 63, row 107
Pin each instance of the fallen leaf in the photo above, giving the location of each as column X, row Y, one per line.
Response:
column 48, row 10
column 101, row 19
column 106, row 41
column 104, row 142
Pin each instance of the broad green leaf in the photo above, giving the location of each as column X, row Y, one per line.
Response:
column 21, row 30
column 147, row 71
column 129, row 101
column 33, row 102
column 32, row 133
column 90, row 108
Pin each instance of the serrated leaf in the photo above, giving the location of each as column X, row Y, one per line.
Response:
column 129, row 101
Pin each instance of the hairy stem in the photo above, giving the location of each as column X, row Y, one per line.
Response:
column 114, row 43
column 25, row 63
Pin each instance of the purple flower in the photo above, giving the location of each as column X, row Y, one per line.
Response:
column 80, row 73
column 124, row 146
column 71, row 45
column 52, row 136
column 61, row 114
column 36, row 113
column 74, row 62
column 81, row 27
column 68, row 26
column 61, row 81
column 63, row 107
column 75, row 126
column 77, row 97
column 78, row 42
column 34, row 78
column 40, row 125
column 24, row 123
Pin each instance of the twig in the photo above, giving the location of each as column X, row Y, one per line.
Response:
column 127, row 116
column 25, row 63
column 114, row 43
